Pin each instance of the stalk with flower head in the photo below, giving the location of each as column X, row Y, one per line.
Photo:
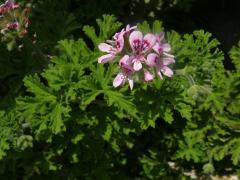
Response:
column 139, row 54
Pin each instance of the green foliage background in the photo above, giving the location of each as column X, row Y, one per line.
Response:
column 61, row 118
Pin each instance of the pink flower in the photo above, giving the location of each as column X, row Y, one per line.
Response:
column 161, row 64
column 124, row 32
column 140, row 45
column 136, row 50
column 112, row 50
column 162, row 48
column 115, row 46
column 148, row 76
column 125, row 73
column 8, row 6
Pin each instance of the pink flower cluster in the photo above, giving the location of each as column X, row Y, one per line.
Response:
column 6, row 8
column 147, row 54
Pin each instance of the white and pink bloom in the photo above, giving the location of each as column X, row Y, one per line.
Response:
column 139, row 54
column 140, row 45
column 129, row 29
column 126, row 72
column 8, row 6
column 115, row 46
column 161, row 47
column 15, row 22
column 161, row 64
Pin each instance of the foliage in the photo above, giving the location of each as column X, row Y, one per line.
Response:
column 68, row 122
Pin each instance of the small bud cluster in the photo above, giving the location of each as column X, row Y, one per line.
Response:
column 147, row 54
column 14, row 18
column 8, row 6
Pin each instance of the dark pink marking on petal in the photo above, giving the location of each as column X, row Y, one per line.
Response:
column 135, row 40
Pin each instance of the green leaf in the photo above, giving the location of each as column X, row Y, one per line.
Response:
column 38, row 89
column 185, row 110
column 107, row 26
column 157, row 27
column 90, row 32
column 57, row 117
column 77, row 138
column 144, row 27
column 168, row 116
column 235, row 56
column 121, row 101
column 235, row 152
column 89, row 97
column 4, row 146
column 108, row 133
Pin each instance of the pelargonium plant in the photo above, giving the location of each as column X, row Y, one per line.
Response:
column 141, row 55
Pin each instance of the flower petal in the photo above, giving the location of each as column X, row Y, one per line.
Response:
column 119, row 80
column 148, row 76
column 120, row 43
column 124, row 60
column 148, row 41
column 137, row 65
column 135, row 40
column 161, row 48
column 157, row 48
column 105, row 58
column 166, row 47
column 152, row 59
column 118, row 34
column 167, row 71
column 159, row 73
column 129, row 28
column 131, row 83
column 160, row 37
column 168, row 55
column 167, row 61
column 110, row 42
column 104, row 47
